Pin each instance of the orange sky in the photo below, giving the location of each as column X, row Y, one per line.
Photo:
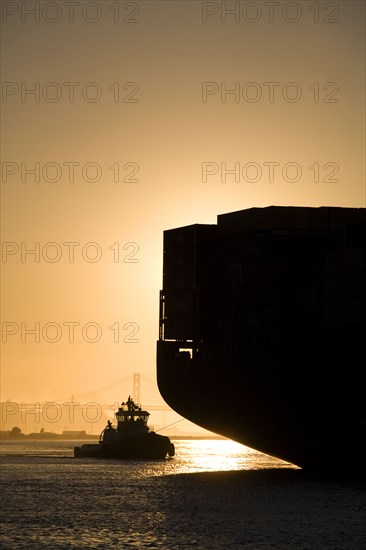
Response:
column 175, row 132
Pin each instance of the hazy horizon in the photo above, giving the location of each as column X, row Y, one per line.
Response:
column 123, row 120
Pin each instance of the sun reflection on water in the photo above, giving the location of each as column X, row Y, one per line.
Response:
column 213, row 455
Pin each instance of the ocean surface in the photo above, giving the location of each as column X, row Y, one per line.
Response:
column 214, row 494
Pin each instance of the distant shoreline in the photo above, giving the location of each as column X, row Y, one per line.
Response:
column 197, row 437
column 55, row 437
column 58, row 437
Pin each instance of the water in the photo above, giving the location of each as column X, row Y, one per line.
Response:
column 213, row 494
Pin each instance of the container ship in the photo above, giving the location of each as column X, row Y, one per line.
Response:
column 262, row 334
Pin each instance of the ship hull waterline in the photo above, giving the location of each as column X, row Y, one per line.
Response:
column 276, row 417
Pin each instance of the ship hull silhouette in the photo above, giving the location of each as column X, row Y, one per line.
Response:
column 262, row 331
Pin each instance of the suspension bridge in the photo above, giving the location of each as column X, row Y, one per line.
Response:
column 130, row 385
column 87, row 410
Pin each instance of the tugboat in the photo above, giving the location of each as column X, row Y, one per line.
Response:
column 131, row 438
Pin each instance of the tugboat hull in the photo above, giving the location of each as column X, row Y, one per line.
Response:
column 150, row 447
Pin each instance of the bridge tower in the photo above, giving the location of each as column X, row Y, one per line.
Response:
column 136, row 388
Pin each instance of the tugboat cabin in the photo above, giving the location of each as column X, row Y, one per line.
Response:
column 131, row 417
